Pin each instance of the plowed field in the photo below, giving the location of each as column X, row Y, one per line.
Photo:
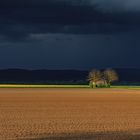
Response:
column 69, row 114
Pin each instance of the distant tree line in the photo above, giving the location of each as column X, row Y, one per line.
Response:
column 104, row 78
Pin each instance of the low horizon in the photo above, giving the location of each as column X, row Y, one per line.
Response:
column 69, row 69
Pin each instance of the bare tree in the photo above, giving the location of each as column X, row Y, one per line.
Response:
column 93, row 77
column 110, row 76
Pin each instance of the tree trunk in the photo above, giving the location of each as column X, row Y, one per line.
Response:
column 94, row 84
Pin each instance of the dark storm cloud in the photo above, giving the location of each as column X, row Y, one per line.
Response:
column 20, row 18
column 70, row 34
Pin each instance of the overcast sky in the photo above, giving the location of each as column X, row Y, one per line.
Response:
column 69, row 34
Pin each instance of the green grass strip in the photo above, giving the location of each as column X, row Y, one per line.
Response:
column 42, row 86
column 61, row 86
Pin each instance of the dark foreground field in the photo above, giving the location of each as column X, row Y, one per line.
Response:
column 69, row 114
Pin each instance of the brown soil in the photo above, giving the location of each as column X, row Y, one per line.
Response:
column 69, row 114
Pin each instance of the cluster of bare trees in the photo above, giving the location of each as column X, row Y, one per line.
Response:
column 105, row 78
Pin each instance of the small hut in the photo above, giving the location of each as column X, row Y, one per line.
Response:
column 101, row 83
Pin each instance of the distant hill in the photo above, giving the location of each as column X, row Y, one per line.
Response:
column 60, row 76
column 42, row 76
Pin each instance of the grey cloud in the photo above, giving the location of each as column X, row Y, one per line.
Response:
column 21, row 18
column 117, row 5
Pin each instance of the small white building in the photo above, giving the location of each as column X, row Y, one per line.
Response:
column 99, row 83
